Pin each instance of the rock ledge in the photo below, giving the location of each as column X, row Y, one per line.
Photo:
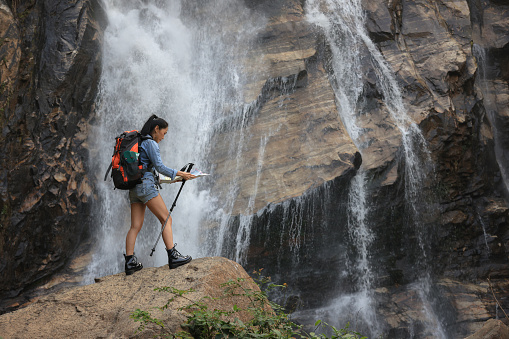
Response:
column 102, row 310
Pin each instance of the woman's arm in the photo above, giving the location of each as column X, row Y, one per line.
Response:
column 154, row 155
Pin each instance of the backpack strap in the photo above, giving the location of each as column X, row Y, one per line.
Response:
column 108, row 171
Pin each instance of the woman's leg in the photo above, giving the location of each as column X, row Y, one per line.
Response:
column 137, row 217
column 175, row 259
column 158, row 207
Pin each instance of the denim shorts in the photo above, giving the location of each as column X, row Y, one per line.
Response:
column 143, row 192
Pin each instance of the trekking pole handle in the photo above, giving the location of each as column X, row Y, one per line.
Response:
column 184, row 169
column 189, row 166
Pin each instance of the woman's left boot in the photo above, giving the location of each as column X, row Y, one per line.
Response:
column 175, row 259
column 131, row 264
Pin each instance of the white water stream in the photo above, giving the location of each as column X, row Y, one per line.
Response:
column 490, row 104
column 161, row 58
column 343, row 23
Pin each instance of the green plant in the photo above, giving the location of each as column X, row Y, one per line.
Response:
column 342, row 333
column 146, row 318
column 267, row 319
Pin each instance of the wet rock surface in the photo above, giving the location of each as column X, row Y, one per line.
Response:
column 291, row 123
column 491, row 330
column 449, row 63
column 50, row 69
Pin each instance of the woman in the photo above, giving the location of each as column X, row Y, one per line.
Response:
column 146, row 194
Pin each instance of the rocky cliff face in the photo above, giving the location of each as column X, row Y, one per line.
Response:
column 445, row 55
column 450, row 59
column 50, row 67
column 290, row 115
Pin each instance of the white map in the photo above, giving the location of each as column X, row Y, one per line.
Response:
column 167, row 180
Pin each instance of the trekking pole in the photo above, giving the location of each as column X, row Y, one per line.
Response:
column 184, row 169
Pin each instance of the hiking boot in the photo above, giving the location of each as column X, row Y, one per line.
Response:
column 131, row 264
column 175, row 259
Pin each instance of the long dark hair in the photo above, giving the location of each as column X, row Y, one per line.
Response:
column 151, row 123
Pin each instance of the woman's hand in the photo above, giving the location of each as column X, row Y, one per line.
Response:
column 186, row 175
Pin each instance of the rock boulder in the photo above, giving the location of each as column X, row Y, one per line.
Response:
column 102, row 310
column 492, row 329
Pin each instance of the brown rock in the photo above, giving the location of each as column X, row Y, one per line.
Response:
column 496, row 28
column 492, row 329
column 10, row 52
column 455, row 217
column 464, row 307
column 102, row 310
column 299, row 148
column 293, row 140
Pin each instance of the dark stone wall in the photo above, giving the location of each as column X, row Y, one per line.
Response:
column 47, row 104
column 305, row 243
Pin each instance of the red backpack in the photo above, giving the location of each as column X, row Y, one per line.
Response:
column 126, row 170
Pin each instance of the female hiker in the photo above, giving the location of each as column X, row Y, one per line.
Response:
column 146, row 194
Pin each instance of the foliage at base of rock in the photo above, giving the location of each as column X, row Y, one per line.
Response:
column 265, row 319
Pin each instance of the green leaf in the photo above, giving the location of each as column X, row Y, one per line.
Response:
column 204, row 323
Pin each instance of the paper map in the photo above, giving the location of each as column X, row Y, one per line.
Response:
column 163, row 179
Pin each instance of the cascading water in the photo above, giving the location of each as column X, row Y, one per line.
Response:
column 240, row 228
column 489, row 102
column 178, row 61
column 243, row 234
column 343, row 25
column 164, row 58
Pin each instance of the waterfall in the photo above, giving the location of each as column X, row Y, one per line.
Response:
column 174, row 59
column 487, row 90
column 184, row 61
column 244, row 232
column 343, row 25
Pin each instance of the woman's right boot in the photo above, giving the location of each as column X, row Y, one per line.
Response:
column 175, row 259
column 131, row 264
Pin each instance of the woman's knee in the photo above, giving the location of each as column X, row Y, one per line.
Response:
column 163, row 220
column 136, row 228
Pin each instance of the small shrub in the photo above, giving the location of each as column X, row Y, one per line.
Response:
column 268, row 319
column 342, row 333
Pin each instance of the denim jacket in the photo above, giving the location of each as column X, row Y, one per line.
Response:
column 150, row 158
